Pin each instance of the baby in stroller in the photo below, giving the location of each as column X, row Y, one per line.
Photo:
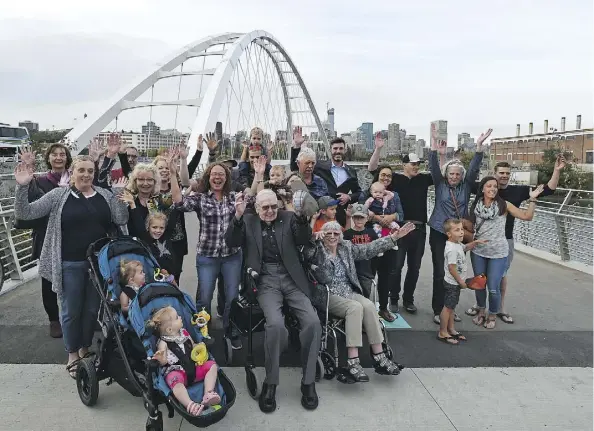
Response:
column 183, row 360
column 133, row 278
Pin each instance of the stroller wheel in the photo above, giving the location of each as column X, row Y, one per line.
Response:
column 251, row 381
column 87, row 382
column 228, row 351
column 329, row 366
column 155, row 424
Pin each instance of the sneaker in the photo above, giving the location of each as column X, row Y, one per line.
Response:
column 457, row 318
column 410, row 307
column 386, row 315
column 55, row 329
column 394, row 307
column 356, row 370
column 436, row 319
column 393, row 300
column 384, row 366
column 236, row 343
column 219, row 313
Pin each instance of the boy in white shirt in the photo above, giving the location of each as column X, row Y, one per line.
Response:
column 454, row 279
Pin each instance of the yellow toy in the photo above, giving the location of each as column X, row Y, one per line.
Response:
column 201, row 320
column 199, row 354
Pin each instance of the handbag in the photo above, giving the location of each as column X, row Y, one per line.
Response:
column 478, row 282
column 467, row 225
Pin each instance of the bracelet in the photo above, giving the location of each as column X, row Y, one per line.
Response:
column 532, row 200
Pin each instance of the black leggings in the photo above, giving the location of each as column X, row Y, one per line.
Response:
column 386, row 276
column 50, row 300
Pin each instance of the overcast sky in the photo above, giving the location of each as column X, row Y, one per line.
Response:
column 476, row 64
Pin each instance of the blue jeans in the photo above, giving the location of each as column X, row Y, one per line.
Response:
column 494, row 269
column 208, row 269
column 80, row 305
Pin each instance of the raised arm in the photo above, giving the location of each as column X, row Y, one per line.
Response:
column 24, row 210
column 235, row 235
column 554, row 181
column 119, row 210
column 528, row 213
column 475, row 164
column 375, row 157
column 301, row 230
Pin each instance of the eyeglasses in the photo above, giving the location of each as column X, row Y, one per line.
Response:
column 218, row 174
column 273, row 207
column 415, row 163
column 332, row 234
column 145, row 180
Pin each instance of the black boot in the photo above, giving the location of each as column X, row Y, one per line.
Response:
column 267, row 401
column 309, row 397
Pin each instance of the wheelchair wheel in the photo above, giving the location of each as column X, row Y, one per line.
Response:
column 329, row 365
column 251, row 381
column 87, row 382
column 228, row 351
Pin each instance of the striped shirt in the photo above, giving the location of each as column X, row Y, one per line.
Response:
column 214, row 217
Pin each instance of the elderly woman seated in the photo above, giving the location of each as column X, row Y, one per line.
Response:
column 335, row 260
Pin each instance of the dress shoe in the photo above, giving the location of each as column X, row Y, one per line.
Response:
column 309, row 397
column 267, row 401
column 55, row 329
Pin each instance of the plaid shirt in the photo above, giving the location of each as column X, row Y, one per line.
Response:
column 214, row 217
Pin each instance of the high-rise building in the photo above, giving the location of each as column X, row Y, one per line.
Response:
column 366, row 130
column 151, row 129
column 420, row 147
column 465, row 141
column 393, row 138
column 441, row 126
column 331, row 120
column 30, row 125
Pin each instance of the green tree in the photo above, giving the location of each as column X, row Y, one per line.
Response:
column 465, row 157
column 571, row 177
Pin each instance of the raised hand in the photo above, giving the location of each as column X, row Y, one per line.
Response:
column 536, row 192
column 560, row 163
column 172, row 160
column 114, row 145
column 298, row 138
column 319, row 235
column 349, row 211
column 379, row 141
column 120, row 183
column 95, row 149
column 183, row 149
column 211, row 142
column 27, row 155
column 483, row 137
column 403, row 231
column 128, row 198
column 199, row 143
column 260, row 166
column 23, row 174
column 240, row 205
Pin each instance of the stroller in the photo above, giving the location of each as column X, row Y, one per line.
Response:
column 125, row 345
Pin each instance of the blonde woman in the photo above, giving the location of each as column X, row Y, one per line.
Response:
column 141, row 196
column 78, row 216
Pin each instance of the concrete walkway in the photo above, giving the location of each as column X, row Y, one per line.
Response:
column 39, row 397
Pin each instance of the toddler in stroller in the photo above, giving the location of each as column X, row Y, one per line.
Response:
column 127, row 345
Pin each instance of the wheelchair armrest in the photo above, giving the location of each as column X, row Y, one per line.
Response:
column 252, row 273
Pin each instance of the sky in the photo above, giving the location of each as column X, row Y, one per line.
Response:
column 475, row 64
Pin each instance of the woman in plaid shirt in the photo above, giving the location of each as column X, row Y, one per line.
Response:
column 214, row 204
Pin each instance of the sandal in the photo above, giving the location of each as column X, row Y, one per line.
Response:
column 448, row 340
column 211, row 398
column 490, row 322
column 472, row 311
column 72, row 367
column 457, row 318
column 458, row 336
column 505, row 317
column 194, row 409
column 479, row 320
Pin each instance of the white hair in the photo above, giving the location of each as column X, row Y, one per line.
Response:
column 306, row 152
column 332, row 226
column 265, row 193
column 454, row 163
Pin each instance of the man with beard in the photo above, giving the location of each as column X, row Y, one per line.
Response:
column 412, row 186
column 516, row 194
column 340, row 178
column 306, row 162
column 132, row 157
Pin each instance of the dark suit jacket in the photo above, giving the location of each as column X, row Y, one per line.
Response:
column 291, row 232
column 350, row 186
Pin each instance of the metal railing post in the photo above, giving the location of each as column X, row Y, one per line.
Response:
column 561, row 229
column 13, row 265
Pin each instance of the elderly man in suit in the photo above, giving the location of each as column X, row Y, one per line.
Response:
column 270, row 241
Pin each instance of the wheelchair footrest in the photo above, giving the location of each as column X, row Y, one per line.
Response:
column 343, row 376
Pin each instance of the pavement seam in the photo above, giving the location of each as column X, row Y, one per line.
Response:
column 433, row 398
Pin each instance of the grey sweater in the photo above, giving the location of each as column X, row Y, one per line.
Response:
column 50, row 260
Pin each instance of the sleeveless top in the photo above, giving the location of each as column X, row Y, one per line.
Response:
column 492, row 230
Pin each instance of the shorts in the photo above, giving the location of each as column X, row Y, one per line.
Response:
column 451, row 295
column 510, row 256
column 179, row 376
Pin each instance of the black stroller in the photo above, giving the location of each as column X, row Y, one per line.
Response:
column 124, row 345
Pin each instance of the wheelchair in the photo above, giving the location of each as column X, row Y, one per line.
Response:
column 332, row 328
column 246, row 318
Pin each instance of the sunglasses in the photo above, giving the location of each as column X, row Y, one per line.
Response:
column 332, row 234
column 269, row 207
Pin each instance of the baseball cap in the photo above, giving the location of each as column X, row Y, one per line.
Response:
column 326, row 201
column 359, row 210
column 410, row 158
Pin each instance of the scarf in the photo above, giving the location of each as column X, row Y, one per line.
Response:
column 59, row 179
column 486, row 213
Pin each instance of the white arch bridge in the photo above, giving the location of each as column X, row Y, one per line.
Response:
column 241, row 80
